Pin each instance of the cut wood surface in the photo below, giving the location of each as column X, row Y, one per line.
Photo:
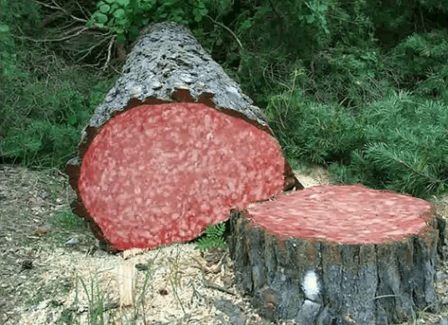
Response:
column 173, row 148
column 337, row 255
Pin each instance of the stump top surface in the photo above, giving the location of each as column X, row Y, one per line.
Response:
column 346, row 214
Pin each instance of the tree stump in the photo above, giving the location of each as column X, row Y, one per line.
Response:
column 337, row 255
column 174, row 146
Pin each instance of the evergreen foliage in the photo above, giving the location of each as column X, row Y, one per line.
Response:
column 399, row 143
column 421, row 61
column 45, row 102
column 314, row 132
column 405, row 149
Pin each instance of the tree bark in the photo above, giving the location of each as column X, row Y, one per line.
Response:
column 337, row 255
column 171, row 117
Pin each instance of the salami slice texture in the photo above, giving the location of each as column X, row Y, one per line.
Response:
column 160, row 174
column 346, row 214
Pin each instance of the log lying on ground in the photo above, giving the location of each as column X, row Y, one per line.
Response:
column 337, row 255
column 174, row 146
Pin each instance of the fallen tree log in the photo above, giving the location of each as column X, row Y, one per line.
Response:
column 337, row 255
column 174, row 146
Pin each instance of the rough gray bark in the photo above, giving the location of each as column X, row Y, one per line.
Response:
column 168, row 65
column 168, row 58
column 355, row 284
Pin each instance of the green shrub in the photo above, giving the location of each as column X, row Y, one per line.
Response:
column 406, row 147
column 420, row 64
column 45, row 101
column 348, row 76
column 125, row 18
column 42, row 120
column 399, row 143
column 313, row 132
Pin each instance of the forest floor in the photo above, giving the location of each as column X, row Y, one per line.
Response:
column 53, row 273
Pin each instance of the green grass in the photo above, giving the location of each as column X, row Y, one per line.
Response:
column 67, row 220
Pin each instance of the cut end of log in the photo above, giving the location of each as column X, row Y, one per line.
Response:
column 161, row 174
column 351, row 214
column 174, row 146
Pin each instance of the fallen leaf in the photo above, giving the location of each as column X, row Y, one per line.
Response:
column 40, row 231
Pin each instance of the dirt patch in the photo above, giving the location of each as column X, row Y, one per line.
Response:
column 53, row 273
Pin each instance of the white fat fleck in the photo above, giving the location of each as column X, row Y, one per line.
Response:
column 311, row 285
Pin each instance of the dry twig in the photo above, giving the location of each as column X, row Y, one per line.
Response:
column 58, row 7
column 227, row 29
column 210, row 284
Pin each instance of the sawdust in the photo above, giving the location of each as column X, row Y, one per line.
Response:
column 58, row 276
column 312, row 176
column 169, row 289
column 68, row 280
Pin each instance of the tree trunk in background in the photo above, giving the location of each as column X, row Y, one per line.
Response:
column 337, row 255
column 173, row 148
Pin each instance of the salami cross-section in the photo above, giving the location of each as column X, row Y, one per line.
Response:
column 337, row 255
column 160, row 174
column 174, row 146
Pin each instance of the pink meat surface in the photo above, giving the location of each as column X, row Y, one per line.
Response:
column 162, row 173
column 343, row 214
